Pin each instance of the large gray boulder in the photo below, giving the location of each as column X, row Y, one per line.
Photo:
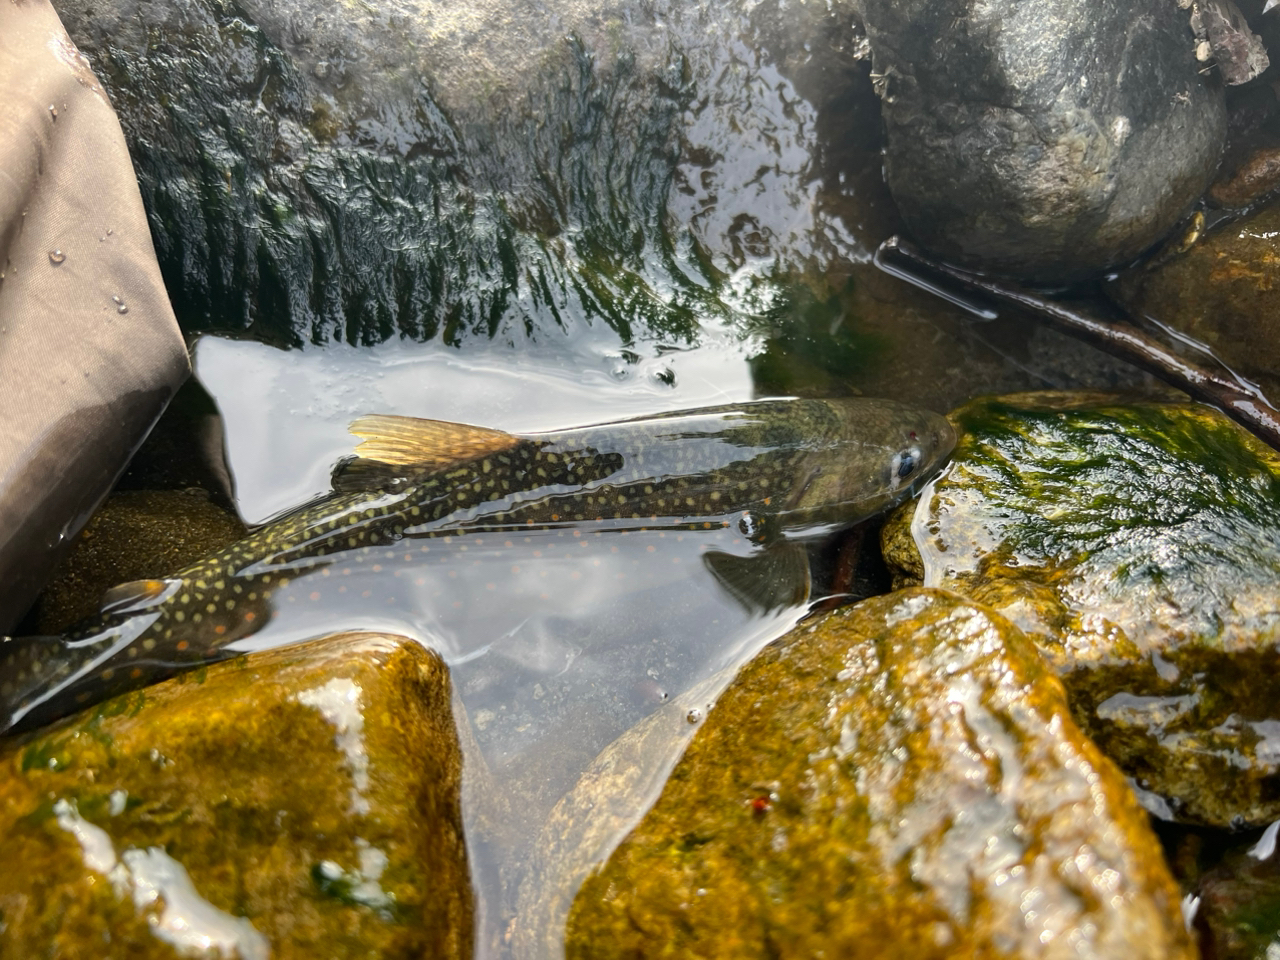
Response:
column 1049, row 141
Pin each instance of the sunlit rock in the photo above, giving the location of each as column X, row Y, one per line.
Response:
column 297, row 803
column 1047, row 141
column 900, row 779
column 1138, row 545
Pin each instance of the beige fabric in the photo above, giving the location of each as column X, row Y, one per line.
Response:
column 89, row 348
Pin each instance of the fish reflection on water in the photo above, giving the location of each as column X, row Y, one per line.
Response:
column 574, row 580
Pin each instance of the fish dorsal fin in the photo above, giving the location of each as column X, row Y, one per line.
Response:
column 424, row 444
column 134, row 594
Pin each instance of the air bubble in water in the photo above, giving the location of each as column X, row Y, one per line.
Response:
column 694, row 715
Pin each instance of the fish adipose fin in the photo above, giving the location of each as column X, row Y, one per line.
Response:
column 424, row 444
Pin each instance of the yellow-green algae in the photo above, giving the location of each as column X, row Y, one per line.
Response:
column 899, row 779
column 134, row 535
column 271, row 804
column 1139, row 545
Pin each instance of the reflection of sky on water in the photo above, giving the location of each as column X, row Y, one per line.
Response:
column 285, row 412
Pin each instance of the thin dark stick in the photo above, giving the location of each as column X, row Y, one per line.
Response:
column 1246, row 406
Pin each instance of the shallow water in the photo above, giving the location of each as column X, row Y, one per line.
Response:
column 464, row 216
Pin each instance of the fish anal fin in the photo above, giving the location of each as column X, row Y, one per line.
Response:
column 135, row 593
column 425, row 444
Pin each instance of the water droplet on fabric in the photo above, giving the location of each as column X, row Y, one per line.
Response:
column 53, row 112
column 121, row 307
column 57, row 256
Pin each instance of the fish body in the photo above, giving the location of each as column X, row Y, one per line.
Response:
column 773, row 470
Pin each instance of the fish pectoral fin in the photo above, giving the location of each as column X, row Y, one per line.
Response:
column 134, row 594
column 773, row 578
column 424, row 444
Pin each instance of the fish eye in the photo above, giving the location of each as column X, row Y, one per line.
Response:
column 904, row 464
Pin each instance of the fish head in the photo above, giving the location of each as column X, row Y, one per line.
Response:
column 869, row 456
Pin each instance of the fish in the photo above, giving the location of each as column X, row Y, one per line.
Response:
column 776, row 471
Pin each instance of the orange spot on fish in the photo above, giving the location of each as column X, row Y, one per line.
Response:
column 182, row 645
column 250, row 617
column 220, row 629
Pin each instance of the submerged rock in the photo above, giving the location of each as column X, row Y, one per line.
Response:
column 1221, row 292
column 1137, row 544
column 296, row 803
column 1047, row 141
column 134, row 535
column 900, row 779
column 1239, row 902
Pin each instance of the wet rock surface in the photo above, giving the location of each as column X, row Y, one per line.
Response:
column 1136, row 544
column 1221, row 292
column 901, row 778
column 297, row 803
column 134, row 535
column 1239, row 911
column 283, row 151
column 1045, row 141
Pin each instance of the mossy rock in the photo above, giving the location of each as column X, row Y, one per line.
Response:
column 134, row 535
column 302, row 802
column 1139, row 545
column 901, row 778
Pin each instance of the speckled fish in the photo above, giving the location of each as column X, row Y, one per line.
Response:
column 774, row 469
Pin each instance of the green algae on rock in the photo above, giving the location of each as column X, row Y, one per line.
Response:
column 134, row 535
column 302, row 802
column 901, row 778
column 1139, row 545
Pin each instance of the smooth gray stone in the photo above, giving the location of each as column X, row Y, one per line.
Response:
column 1047, row 141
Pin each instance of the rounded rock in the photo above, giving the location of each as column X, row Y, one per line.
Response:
column 1047, row 141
